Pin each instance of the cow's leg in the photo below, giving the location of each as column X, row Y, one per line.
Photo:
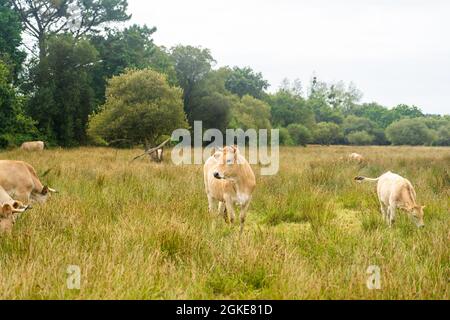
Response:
column 243, row 214
column 222, row 209
column 391, row 215
column 230, row 210
column 384, row 211
column 212, row 204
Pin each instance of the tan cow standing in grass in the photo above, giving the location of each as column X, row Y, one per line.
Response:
column 20, row 181
column 229, row 180
column 33, row 146
column 396, row 192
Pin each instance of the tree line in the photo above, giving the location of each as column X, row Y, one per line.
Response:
column 70, row 78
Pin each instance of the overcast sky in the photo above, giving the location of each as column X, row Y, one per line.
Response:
column 395, row 51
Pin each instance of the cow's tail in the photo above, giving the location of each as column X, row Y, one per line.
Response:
column 363, row 179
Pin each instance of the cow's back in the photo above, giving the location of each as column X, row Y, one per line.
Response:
column 394, row 188
column 15, row 175
column 33, row 146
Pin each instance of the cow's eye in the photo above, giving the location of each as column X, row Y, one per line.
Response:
column 229, row 161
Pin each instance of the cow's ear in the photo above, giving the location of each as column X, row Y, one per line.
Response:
column 424, row 207
column 45, row 191
column 236, row 152
column 6, row 211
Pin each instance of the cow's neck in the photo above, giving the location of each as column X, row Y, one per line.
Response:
column 239, row 186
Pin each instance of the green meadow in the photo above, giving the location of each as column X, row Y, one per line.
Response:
column 142, row 230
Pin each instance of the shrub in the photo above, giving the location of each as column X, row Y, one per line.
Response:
column 360, row 138
column 140, row 107
column 327, row 133
column 300, row 134
column 285, row 137
column 410, row 132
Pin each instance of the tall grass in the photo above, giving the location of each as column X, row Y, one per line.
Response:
column 142, row 231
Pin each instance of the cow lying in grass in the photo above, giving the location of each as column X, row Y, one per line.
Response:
column 229, row 180
column 19, row 180
column 396, row 192
column 356, row 157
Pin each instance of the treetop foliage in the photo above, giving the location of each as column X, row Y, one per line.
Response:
column 95, row 82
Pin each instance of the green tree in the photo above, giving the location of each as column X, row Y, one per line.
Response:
column 132, row 48
column 359, row 125
column 360, row 138
column 294, row 87
column 140, row 107
column 376, row 113
column 443, row 135
column 288, row 108
column 44, row 18
column 300, row 134
column 192, row 64
column 210, row 102
column 327, row 133
column 16, row 126
column 353, row 123
column 10, row 38
column 250, row 113
column 245, row 81
column 323, row 112
column 404, row 111
column 63, row 98
column 410, row 132
column 337, row 95
column 285, row 137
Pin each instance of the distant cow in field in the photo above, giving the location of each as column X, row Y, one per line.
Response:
column 33, row 146
column 396, row 192
column 20, row 181
column 229, row 180
column 356, row 157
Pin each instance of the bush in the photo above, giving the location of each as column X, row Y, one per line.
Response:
column 443, row 136
column 327, row 133
column 285, row 137
column 140, row 107
column 15, row 127
column 410, row 132
column 300, row 134
column 361, row 138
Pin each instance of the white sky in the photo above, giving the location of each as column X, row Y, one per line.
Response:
column 395, row 51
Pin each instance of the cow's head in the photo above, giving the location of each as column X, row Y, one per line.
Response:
column 9, row 209
column 19, row 207
column 228, row 163
column 41, row 197
column 417, row 215
column 6, row 218
column 6, row 211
